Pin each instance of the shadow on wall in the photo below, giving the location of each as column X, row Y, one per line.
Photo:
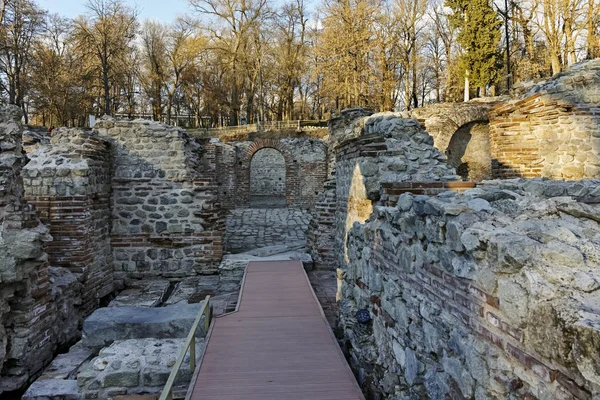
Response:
column 460, row 130
column 469, row 151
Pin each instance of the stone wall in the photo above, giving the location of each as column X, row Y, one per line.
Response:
column 69, row 183
column 461, row 131
column 166, row 219
column 30, row 329
column 305, row 171
column 487, row 294
column 553, row 132
column 473, row 292
column 385, row 148
column 127, row 200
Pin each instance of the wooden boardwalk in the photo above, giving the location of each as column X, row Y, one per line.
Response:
column 276, row 346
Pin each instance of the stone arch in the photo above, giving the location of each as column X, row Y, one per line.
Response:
column 461, row 131
column 291, row 167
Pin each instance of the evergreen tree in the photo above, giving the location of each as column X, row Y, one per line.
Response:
column 480, row 31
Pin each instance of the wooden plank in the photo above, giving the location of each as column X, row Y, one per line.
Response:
column 277, row 345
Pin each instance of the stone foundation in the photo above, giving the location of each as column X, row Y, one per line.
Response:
column 135, row 366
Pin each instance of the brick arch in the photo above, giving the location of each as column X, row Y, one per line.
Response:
column 291, row 169
column 444, row 120
column 268, row 144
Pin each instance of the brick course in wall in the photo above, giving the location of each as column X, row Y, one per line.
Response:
column 321, row 238
column 167, row 219
column 554, row 132
column 305, row 170
column 452, row 276
column 391, row 191
column 498, row 355
column 69, row 184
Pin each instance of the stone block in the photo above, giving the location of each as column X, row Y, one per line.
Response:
column 134, row 367
column 53, row 389
column 108, row 324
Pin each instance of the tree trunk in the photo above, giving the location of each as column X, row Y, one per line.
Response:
column 169, row 109
column 407, row 89
column 556, row 64
column 106, row 85
column 467, row 88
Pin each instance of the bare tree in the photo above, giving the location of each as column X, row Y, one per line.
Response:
column 290, row 50
column 22, row 23
column 154, row 73
column 410, row 15
column 107, row 33
column 237, row 20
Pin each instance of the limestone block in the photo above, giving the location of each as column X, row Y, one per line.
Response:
column 53, row 389
column 108, row 324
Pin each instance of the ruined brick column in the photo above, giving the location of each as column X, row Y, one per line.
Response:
column 69, row 184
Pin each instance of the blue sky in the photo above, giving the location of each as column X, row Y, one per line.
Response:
column 161, row 10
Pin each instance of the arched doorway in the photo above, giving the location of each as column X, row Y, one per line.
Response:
column 469, row 151
column 267, row 179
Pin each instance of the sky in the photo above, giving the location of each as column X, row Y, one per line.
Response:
column 160, row 10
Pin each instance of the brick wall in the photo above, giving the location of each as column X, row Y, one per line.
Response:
column 69, row 183
column 305, row 162
column 553, row 132
column 461, row 131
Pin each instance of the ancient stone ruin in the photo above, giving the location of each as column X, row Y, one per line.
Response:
column 469, row 233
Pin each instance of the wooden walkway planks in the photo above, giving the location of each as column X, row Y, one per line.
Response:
column 277, row 346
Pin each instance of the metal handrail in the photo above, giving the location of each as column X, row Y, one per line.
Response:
column 190, row 343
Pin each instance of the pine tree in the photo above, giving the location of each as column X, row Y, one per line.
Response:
column 479, row 36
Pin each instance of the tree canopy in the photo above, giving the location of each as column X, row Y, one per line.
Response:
column 241, row 61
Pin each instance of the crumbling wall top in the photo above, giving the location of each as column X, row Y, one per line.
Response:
column 167, row 148
column 578, row 86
